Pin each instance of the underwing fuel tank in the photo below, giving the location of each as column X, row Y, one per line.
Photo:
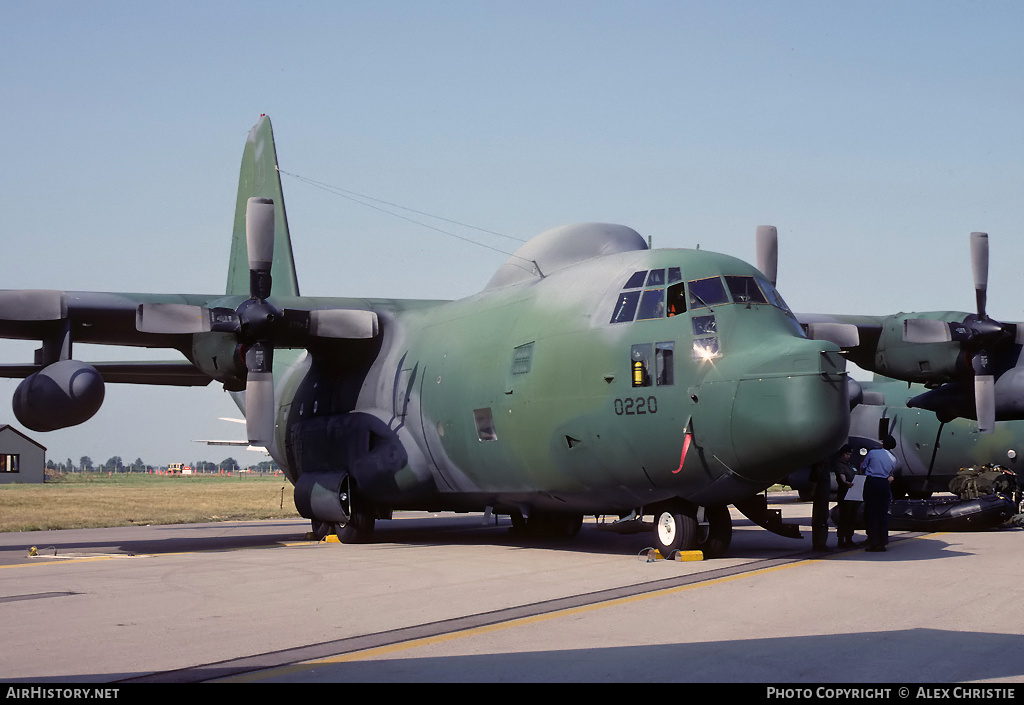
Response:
column 63, row 394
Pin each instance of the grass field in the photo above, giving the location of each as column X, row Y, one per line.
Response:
column 90, row 500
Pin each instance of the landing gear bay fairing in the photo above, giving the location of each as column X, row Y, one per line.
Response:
column 592, row 375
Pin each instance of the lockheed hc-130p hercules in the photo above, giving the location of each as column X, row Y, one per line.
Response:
column 592, row 375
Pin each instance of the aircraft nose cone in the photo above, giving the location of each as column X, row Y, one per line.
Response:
column 788, row 418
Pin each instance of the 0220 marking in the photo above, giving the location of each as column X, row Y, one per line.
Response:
column 638, row 406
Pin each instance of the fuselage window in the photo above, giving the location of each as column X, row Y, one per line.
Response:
column 652, row 305
column 484, row 421
column 704, row 325
column 640, row 359
column 705, row 338
column 674, row 275
column 745, row 290
column 625, row 307
column 707, row 292
column 664, row 364
column 705, row 348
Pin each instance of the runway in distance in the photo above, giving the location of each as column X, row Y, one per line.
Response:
column 592, row 375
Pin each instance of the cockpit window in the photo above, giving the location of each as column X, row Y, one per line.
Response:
column 625, row 307
column 745, row 290
column 707, row 292
column 773, row 296
column 676, row 302
column 656, row 278
column 652, row 305
column 636, row 281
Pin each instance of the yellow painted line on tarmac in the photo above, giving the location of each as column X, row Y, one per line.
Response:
column 379, row 651
column 490, row 628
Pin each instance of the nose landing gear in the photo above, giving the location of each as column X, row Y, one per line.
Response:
column 685, row 527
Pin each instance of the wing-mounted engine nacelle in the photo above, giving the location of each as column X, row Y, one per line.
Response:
column 222, row 357
column 901, row 355
column 63, row 394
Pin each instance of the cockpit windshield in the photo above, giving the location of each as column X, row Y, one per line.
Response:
column 660, row 293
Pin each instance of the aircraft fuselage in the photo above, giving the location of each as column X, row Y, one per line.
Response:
column 548, row 395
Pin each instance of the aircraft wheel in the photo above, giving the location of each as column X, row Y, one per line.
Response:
column 675, row 530
column 719, row 531
column 359, row 527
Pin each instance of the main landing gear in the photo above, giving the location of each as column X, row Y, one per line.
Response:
column 684, row 527
column 358, row 527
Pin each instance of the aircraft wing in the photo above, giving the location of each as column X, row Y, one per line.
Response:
column 171, row 373
column 208, row 330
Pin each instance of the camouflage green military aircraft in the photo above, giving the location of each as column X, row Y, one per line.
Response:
column 592, row 375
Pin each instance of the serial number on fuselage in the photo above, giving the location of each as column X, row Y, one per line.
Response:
column 636, row 406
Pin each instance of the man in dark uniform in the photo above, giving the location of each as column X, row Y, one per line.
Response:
column 821, row 475
column 878, row 465
column 845, row 473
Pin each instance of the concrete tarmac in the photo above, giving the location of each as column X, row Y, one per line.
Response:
column 452, row 598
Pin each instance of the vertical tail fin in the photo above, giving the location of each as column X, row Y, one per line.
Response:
column 259, row 177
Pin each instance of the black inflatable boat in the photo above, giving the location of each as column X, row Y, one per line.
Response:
column 945, row 514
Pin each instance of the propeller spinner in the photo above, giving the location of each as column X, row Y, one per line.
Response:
column 258, row 325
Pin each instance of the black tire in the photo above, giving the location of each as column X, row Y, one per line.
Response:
column 719, row 531
column 675, row 529
column 359, row 527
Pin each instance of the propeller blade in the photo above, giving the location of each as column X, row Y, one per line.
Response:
column 343, row 323
column 32, row 305
column 259, row 408
column 985, row 402
column 979, row 267
column 259, row 394
column 767, row 245
column 171, row 318
column 259, row 244
column 926, row 330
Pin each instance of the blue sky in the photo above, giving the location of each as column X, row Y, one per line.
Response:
column 875, row 135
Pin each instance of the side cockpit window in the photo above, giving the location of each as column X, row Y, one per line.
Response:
column 649, row 295
column 745, row 290
column 629, row 298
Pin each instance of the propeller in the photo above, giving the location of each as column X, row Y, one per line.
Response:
column 767, row 244
column 259, row 325
column 977, row 335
